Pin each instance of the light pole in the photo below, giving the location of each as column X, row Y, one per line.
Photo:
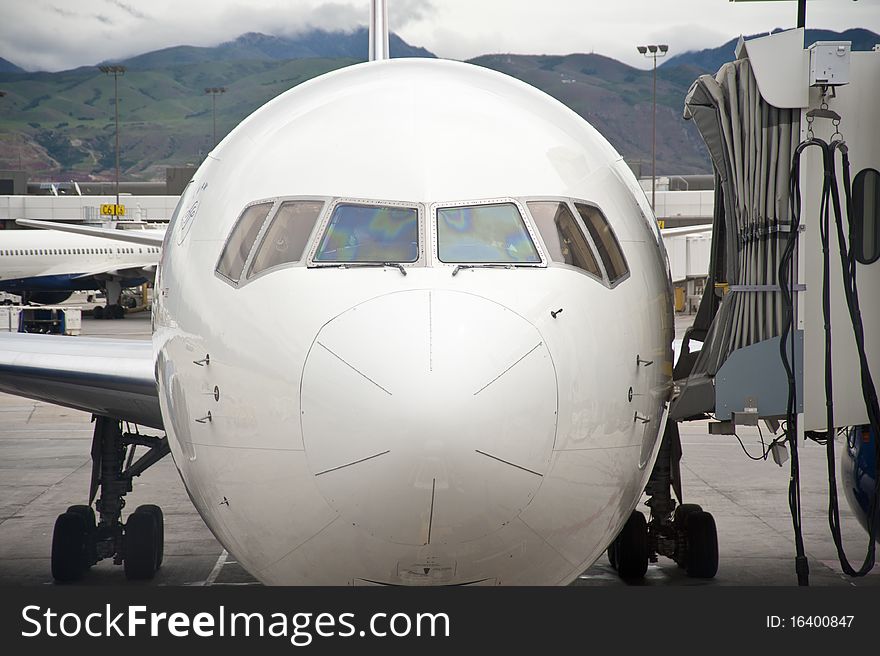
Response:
column 214, row 91
column 654, row 52
column 115, row 70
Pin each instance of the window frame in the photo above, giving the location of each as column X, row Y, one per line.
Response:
column 611, row 284
column 858, row 203
column 569, row 203
column 302, row 262
column 524, row 215
column 242, row 280
column 324, row 221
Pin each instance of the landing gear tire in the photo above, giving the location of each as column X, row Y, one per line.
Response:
column 141, row 546
column 631, row 547
column 612, row 555
column 679, row 522
column 702, row 541
column 88, row 515
column 156, row 511
column 682, row 511
column 69, row 547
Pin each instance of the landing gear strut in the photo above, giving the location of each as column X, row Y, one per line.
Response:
column 114, row 308
column 80, row 539
column 684, row 533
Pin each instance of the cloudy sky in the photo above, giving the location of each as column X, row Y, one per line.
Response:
column 60, row 34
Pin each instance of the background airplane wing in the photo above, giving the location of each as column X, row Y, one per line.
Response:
column 109, row 377
column 142, row 237
column 122, row 271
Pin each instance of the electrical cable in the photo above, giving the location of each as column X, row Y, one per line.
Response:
column 830, row 199
column 765, row 450
column 786, row 275
column 869, row 393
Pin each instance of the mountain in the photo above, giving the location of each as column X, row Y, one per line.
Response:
column 617, row 100
column 7, row 66
column 262, row 47
column 711, row 59
column 60, row 125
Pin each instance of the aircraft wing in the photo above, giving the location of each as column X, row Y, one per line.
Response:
column 118, row 269
column 122, row 271
column 110, row 377
column 142, row 237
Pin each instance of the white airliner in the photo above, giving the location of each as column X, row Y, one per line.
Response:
column 451, row 356
column 47, row 266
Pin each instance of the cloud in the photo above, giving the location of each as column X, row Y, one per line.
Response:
column 55, row 35
column 63, row 12
column 126, row 8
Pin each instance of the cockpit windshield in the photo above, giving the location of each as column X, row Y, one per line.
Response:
column 370, row 233
column 484, row 234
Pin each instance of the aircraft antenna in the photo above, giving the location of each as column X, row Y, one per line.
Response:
column 379, row 48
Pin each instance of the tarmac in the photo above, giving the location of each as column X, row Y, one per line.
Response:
column 45, row 466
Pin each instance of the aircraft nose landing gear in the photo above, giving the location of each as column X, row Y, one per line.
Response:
column 684, row 533
column 79, row 541
column 629, row 551
column 696, row 547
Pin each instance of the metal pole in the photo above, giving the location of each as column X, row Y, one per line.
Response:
column 115, row 70
column 652, row 52
column 654, row 142
column 214, row 91
column 116, row 91
column 378, row 41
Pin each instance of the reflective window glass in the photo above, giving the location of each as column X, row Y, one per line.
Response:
column 563, row 237
column 370, row 233
column 241, row 239
column 484, row 233
column 285, row 239
column 866, row 205
column 606, row 242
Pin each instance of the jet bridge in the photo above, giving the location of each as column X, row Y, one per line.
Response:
column 757, row 116
column 788, row 327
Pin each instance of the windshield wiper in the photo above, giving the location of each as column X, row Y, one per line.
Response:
column 362, row 265
column 459, row 267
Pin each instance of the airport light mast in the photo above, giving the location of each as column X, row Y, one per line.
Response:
column 654, row 51
column 115, row 70
column 214, row 91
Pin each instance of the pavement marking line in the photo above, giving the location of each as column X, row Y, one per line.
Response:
column 221, row 561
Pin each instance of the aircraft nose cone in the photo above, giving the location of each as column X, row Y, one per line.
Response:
column 429, row 417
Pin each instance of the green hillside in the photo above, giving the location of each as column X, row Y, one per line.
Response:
column 616, row 100
column 61, row 124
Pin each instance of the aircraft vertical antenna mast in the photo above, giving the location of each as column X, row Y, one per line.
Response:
column 379, row 48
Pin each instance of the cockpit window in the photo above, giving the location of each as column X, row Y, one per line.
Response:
column 370, row 233
column 606, row 242
column 563, row 237
column 484, row 234
column 285, row 239
column 241, row 240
